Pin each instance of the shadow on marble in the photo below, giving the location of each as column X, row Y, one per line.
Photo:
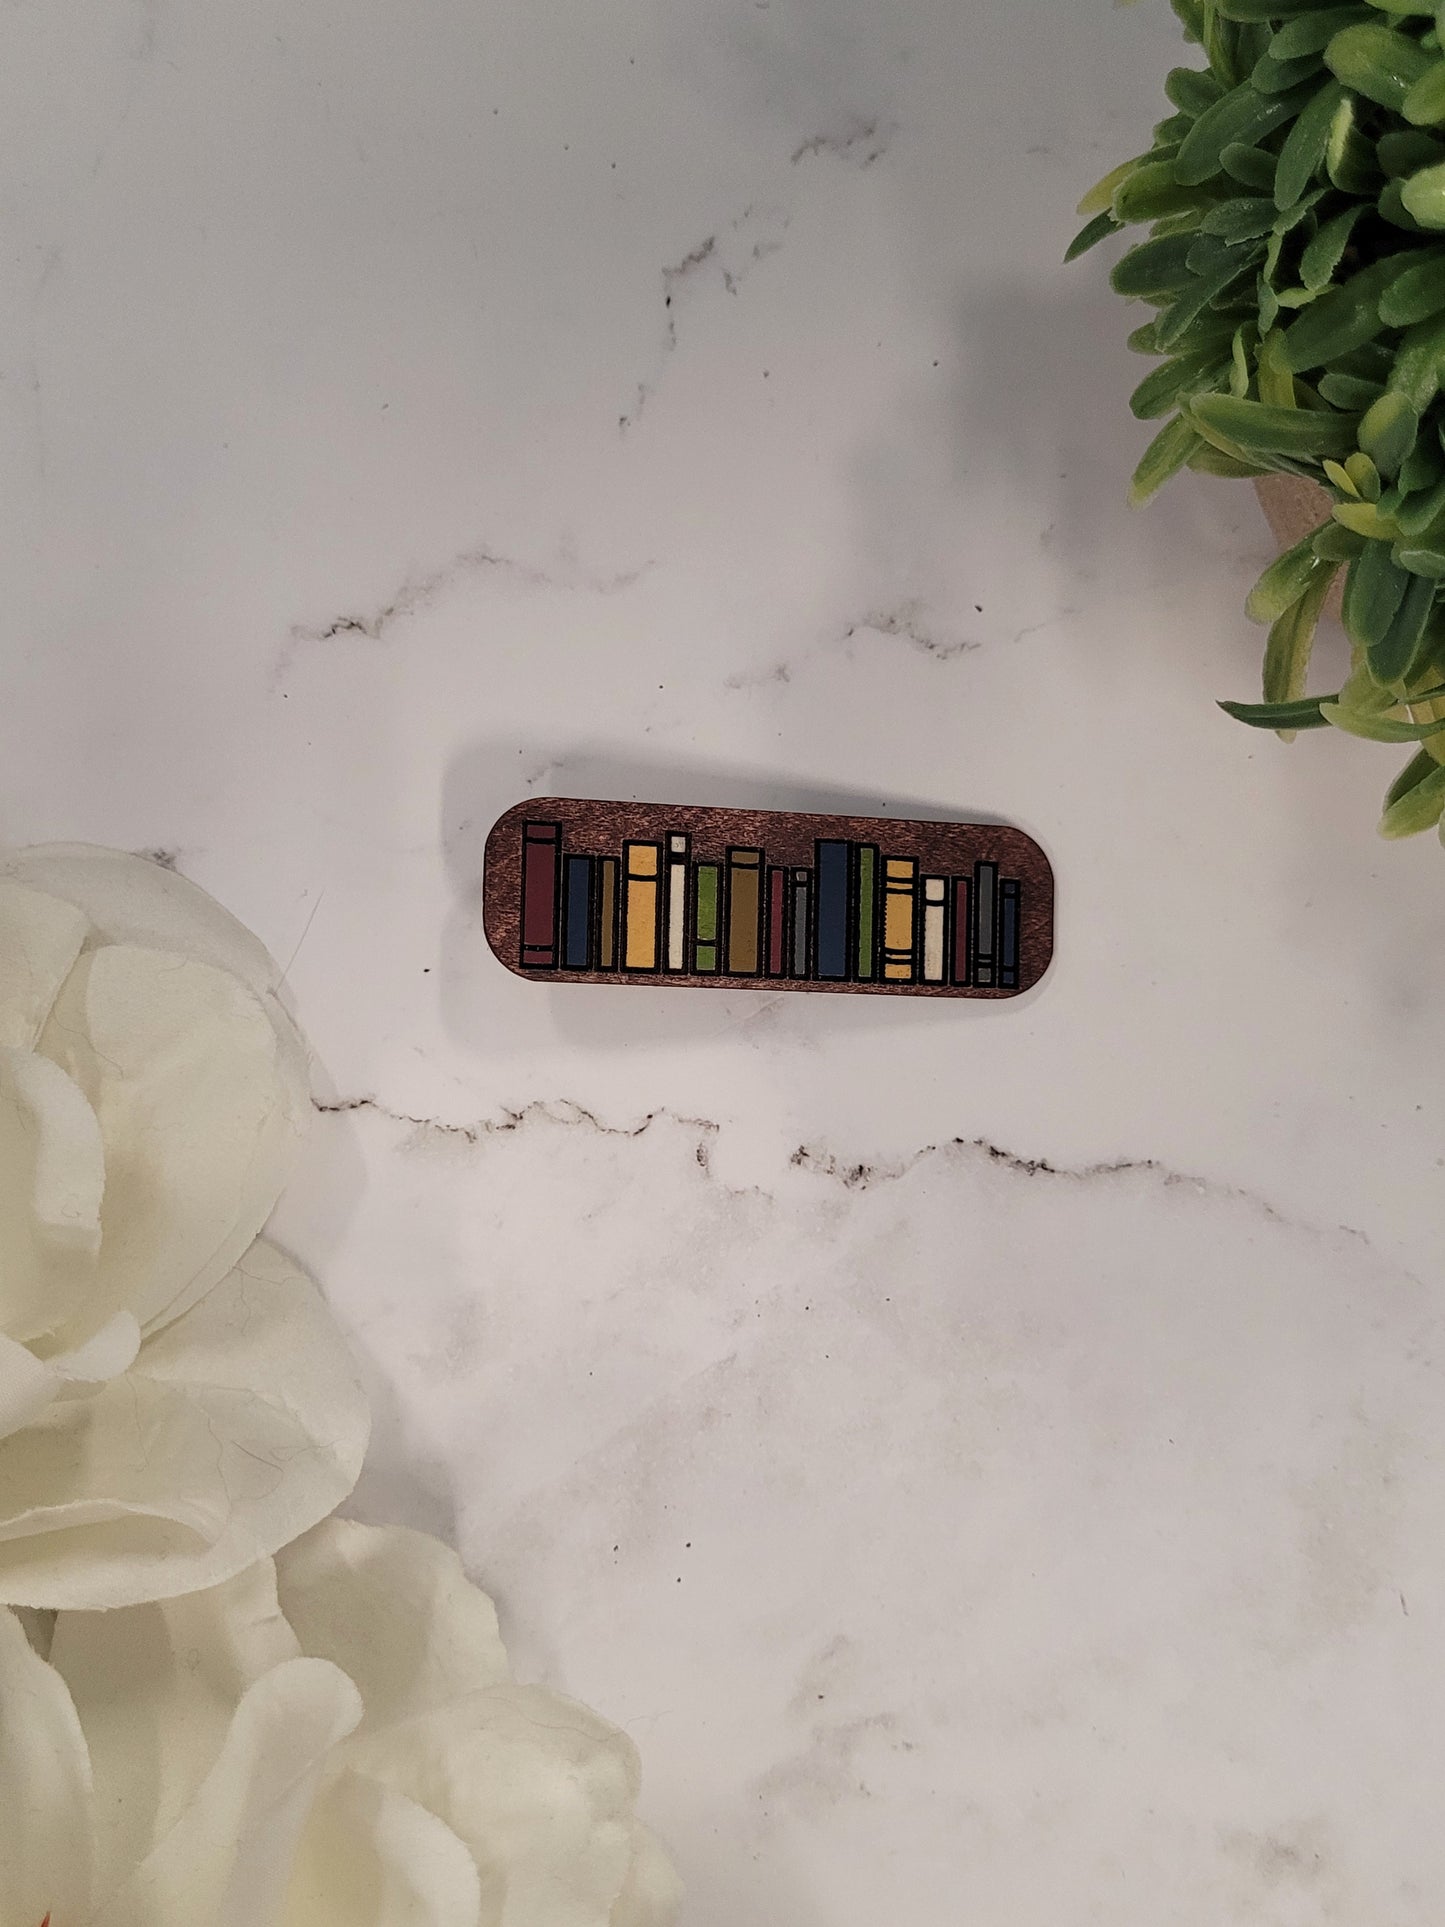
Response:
column 477, row 992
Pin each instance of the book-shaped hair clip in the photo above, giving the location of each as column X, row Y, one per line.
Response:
column 655, row 893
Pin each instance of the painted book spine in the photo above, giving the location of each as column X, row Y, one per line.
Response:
column 1009, row 908
column 935, row 929
column 802, row 890
column 677, row 903
column 607, row 913
column 641, row 909
column 577, row 921
column 985, row 923
column 777, row 921
column 961, row 931
column 865, row 897
column 830, row 957
column 541, row 860
column 900, row 882
column 744, row 912
column 707, row 895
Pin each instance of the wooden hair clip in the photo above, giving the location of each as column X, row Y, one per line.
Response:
column 577, row 891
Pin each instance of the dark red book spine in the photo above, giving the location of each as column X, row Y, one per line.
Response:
column 777, row 903
column 541, row 863
column 961, row 928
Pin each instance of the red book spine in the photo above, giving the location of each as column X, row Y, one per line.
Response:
column 960, row 930
column 541, row 861
column 777, row 959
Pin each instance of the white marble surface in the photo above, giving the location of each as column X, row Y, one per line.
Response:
column 991, row 1459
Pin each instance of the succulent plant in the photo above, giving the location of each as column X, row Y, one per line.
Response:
column 1295, row 259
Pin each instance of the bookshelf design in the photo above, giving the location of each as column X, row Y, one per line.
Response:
column 647, row 893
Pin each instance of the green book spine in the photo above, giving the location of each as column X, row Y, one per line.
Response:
column 707, row 890
column 866, row 858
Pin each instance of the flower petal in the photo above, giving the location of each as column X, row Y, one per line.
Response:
column 156, row 1688
column 52, row 1176
column 238, row 1427
column 539, row 1788
column 104, row 1356
column 201, row 1101
column 45, row 1793
column 372, row 1858
column 27, row 1386
column 652, row 1893
column 227, row 1861
column 396, row 1612
column 40, row 939
column 133, row 899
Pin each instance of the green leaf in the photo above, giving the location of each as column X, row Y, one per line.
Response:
column 1391, row 208
column 1304, row 714
column 1378, row 729
column 1378, row 63
column 1272, row 76
column 1286, row 579
column 1190, row 15
column 1192, row 89
column 1399, row 652
column 1163, row 388
column 1365, row 519
column 1345, row 318
column 1243, row 118
column 1291, row 640
column 1170, row 449
column 1374, row 590
column 1265, row 10
column 1306, row 144
column 1324, row 253
column 1349, row 157
column 1202, row 292
column 1154, row 267
column 1424, row 105
column 1427, row 563
column 1208, row 460
column 1415, row 294
column 1276, row 383
column 1101, row 194
column 1406, row 150
column 1152, row 192
column 1311, row 33
column 1336, row 544
column 1423, row 196
column 1250, row 166
column 1388, row 431
column 1260, row 429
column 1419, row 806
column 1421, row 511
column 1090, row 235
column 1348, row 391
column 1421, row 765
column 1247, row 218
column 1363, row 476
column 1422, row 468
column 1420, row 363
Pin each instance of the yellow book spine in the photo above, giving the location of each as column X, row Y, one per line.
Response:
column 640, row 906
column 900, row 874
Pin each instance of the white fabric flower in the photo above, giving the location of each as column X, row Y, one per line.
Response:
column 335, row 1740
column 175, row 1401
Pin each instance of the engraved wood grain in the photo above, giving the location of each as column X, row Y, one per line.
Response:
column 789, row 840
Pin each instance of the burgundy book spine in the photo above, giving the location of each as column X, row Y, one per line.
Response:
column 541, row 861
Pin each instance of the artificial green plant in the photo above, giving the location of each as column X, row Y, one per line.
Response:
column 1295, row 207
